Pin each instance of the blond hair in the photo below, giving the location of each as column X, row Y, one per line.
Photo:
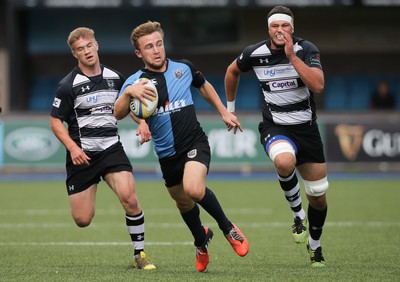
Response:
column 145, row 29
column 80, row 32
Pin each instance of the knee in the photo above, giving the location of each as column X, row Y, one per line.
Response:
column 195, row 193
column 83, row 221
column 130, row 204
column 184, row 205
column 285, row 163
column 130, row 200
column 283, row 155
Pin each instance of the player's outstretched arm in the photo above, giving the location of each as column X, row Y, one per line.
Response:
column 210, row 95
column 231, row 82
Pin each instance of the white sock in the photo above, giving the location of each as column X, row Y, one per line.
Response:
column 314, row 244
column 301, row 214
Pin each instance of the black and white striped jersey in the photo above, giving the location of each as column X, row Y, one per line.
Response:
column 287, row 101
column 86, row 104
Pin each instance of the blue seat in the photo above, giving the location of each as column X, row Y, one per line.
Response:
column 203, row 105
column 360, row 90
column 249, row 94
column 336, row 93
column 42, row 94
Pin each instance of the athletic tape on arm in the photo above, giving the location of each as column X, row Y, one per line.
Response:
column 230, row 106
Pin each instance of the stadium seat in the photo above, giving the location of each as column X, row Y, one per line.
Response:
column 42, row 93
column 360, row 89
column 248, row 96
column 335, row 95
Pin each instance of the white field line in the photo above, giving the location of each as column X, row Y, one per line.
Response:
column 254, row 225
column 93, row 243
column 44, row 225
column 375, row 224
column 52, row 212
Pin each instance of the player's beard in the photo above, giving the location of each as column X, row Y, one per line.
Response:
column 278, row 45
column 156, row 66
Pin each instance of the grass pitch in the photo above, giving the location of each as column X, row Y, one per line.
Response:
column 39, row 241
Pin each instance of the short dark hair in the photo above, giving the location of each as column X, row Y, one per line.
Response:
column 281, row 10
column 145, row 29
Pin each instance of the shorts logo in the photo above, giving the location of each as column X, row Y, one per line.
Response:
column 192, row 154
column 71, row 188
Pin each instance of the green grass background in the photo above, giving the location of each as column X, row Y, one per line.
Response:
column 39, row 241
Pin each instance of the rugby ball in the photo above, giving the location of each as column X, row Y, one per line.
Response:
column 138, row 108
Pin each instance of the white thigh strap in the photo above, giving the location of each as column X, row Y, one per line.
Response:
column 280, row 147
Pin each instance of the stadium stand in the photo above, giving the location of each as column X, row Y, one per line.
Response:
column 42, row 93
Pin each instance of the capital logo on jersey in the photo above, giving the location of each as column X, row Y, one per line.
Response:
column 350, row 139
column 281, row 85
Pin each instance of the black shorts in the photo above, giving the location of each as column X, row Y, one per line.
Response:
column 81, row 177
column 172, row 168
column 306, row 139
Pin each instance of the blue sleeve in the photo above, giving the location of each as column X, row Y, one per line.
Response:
column 129, row 82
column 198, row 77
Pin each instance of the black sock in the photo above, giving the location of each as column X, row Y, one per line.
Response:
column 211, row 205
column 192, row 220
column 316, row 221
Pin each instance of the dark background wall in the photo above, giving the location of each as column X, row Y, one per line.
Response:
column 355, row 41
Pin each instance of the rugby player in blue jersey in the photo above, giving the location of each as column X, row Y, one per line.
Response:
column 180, row 142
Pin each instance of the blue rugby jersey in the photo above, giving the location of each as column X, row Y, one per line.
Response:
column 174, row 125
